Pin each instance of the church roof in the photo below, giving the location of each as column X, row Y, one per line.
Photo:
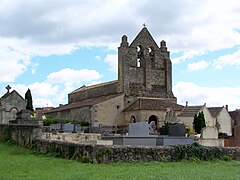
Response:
column 144, row 37
column 215, row 111
column 84, row 88
column 190, row 111
column 84, row 103
column 146, row 103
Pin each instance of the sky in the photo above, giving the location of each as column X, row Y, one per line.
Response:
column 55, row 46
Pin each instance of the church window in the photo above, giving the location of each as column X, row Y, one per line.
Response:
column 139, row 55
column 13, row 112
column 151, row 53
column 133, row 119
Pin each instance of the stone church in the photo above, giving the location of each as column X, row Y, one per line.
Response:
column 143, row 91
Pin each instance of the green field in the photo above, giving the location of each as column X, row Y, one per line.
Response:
column 20, row 163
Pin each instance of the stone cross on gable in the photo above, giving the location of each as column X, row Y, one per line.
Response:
column 144, row 25
column 8, row 88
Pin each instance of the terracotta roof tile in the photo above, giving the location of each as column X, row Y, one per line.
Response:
column 155, row 104
column 87, row 102
column 190, row 111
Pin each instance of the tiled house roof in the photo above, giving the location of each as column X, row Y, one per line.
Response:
column 190, row 111
column 153, row 104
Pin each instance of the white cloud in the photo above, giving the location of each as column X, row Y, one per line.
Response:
column 198, row 95
column 187, row 55
column 73, row 76
column 42, row 92
column 97, row 57
column 112, row 60
column 13, row 63
column 200, row 65
column 229, row 59
column 51, row 28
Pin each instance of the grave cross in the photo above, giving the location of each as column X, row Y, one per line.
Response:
column 8, row 88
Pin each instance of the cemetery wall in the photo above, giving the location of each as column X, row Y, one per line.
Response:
column 22, row 135
column 110, row 154
column 29, row 136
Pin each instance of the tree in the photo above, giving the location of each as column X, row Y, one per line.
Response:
column 28, row 97
column 196, row 123
column 199, row 122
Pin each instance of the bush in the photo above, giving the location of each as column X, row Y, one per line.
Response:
column 196, row 151
column 84, row 123
column 53, row 120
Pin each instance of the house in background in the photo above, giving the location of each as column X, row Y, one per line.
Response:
column 188, row 113
column 234, row 141
column 10, row 104
column 223, row 119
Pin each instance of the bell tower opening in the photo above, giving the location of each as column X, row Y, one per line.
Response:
column 139, row 55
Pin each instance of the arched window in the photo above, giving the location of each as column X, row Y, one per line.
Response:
column 152, row 56
column 139, row 55
column 151, row 53
column 13, row 112
column 133, row 119
column 153, row 118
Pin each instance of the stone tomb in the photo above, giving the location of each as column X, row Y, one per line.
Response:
column 138, row 135
column 67, row 127
column 177, row 130
column 209, row 137
column 138, row 129
column 23, row 117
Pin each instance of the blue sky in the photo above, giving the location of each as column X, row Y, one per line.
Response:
column 54, row 47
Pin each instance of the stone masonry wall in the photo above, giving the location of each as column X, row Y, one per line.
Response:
column 29, row 136
column 103, row 90
column 103, row 154
column 22, row 135
column 110, row 154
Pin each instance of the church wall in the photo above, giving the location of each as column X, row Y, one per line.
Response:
column 128, row 116
column 82, row 113
column 145, row 114
column 77, row 114
column 93, row 93
column 108, row 113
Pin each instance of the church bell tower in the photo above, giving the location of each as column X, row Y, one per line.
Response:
column 144, row 69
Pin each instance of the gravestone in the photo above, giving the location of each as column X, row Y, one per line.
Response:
column 177, row 130
column 68, row 127
column 138, row 129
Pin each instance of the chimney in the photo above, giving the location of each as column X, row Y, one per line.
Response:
column 226, row 107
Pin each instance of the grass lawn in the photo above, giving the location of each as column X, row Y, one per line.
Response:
column 20, row 163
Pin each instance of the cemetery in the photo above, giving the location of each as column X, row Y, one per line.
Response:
column 134, row 118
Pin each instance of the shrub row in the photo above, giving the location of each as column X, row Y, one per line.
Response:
column 53, row 120
column 110, row 154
